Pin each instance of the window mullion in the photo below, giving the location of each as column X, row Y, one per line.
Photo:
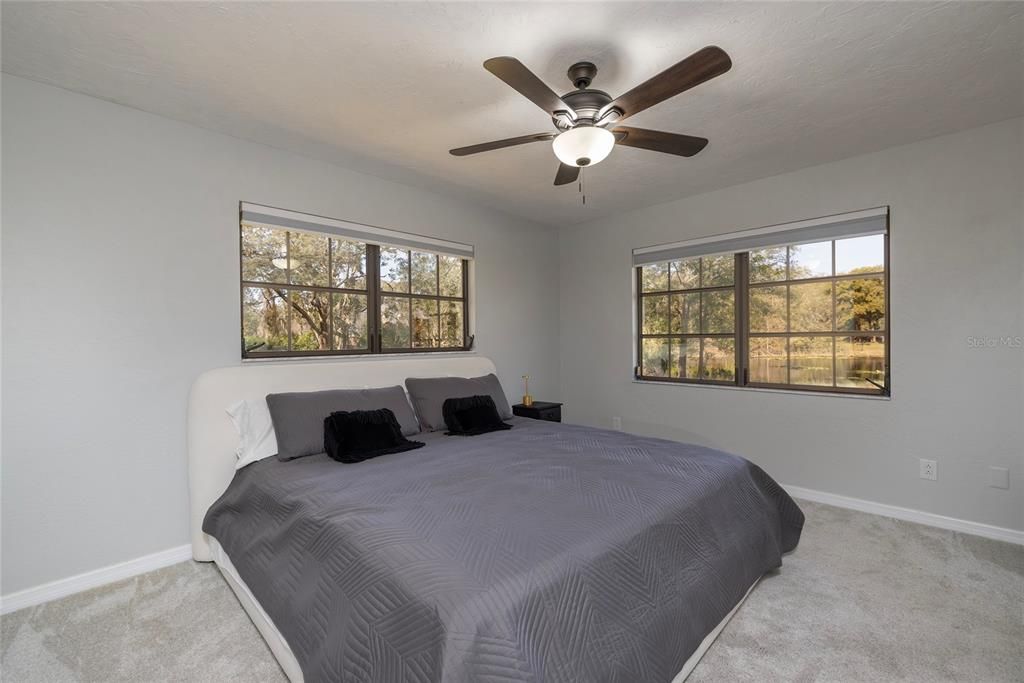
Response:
column 330, row 297
column 700, row 360
column 412, row 333
column 465, row 304
column 835, row 326
column 373, row 298
column 888, row 320
column 638, row 367
column 288, row 291
column 437, row 292
column 408, row 276
column 741, row 274
column 700, row 320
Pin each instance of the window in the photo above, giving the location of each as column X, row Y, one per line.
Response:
column 807, row 315
column 688, row 319
column 422, row 304
column 312, row 293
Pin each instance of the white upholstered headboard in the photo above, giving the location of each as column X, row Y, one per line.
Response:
column 212, row 438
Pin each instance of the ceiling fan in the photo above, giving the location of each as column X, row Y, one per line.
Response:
column 588, row 121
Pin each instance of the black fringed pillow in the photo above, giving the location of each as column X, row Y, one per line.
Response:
column 357, row 435
column 472, row 415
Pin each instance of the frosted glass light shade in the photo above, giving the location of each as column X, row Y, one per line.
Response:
column 583, row 146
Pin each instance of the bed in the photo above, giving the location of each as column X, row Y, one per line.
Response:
column 547, row 552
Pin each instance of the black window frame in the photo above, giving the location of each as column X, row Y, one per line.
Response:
column 743, row 335
column 700, row 335
column 373, row 293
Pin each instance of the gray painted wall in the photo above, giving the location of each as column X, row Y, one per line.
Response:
column 120, row 284
column 957, row 250
column 120, row 287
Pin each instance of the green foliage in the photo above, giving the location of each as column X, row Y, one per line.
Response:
column 718, row 312
column 860, row 304
column 767, row 265
column 767, row 309
column 685, row 274
column 810, row 307
column 394, row 269
column 424, row 273
column 655, row 314
column 717, row 271
column 654, row 277
column 450, row 268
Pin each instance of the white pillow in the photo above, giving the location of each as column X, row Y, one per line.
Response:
column 256, row 438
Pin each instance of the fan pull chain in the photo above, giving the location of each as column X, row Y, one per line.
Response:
column 581, row 190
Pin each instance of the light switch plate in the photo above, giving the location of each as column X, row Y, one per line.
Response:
column 999, row 477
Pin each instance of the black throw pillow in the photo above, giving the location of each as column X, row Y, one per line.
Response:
column 472, row 415
column 357, row 435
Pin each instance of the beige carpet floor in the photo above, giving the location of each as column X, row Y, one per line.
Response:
column 863, row 598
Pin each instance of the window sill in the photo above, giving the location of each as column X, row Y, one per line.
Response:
column 355, row 357
column 786, row 392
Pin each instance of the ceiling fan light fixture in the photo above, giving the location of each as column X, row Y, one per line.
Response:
column 583, row 145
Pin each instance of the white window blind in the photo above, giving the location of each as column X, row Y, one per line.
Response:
column 840, row 226
column 293, row 220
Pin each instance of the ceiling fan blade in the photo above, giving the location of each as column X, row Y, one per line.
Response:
column 512, row 71
column 566, row 174
column 499, row 144
column 659, row 141
column 701, row 66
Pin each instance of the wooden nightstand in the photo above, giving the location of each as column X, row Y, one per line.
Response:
column 540, row 410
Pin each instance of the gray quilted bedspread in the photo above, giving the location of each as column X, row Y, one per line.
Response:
column 548, row 552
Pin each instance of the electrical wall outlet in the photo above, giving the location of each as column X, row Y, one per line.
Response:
column 617, row 424
column 999, row 477
column 929, row 469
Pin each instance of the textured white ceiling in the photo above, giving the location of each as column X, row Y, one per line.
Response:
column 389, row 88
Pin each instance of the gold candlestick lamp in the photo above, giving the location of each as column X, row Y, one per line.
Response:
column 527, row 399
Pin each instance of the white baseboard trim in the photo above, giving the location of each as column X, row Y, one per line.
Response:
column 997, row 533
column 37, row 595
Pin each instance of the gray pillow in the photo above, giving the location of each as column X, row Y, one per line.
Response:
column 299, row 417
column 428, row 395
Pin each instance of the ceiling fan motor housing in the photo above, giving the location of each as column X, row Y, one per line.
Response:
column 586, row 104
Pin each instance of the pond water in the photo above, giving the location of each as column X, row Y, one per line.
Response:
column 851, row 371
column 855, row 363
